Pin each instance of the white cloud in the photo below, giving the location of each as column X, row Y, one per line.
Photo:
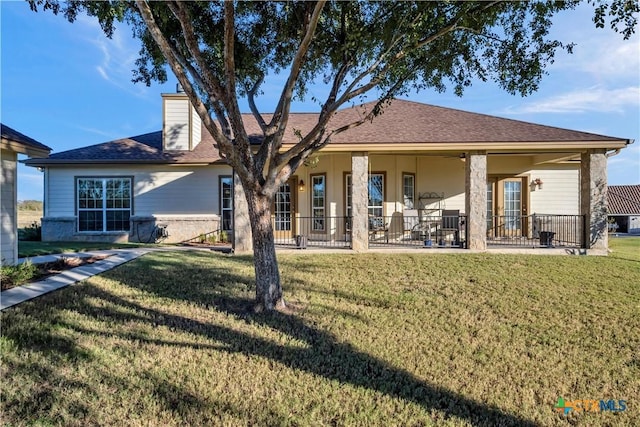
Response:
column 592, row 99
column 117, row 55
column 601, row 54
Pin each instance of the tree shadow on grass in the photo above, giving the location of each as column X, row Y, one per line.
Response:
column 323, row 354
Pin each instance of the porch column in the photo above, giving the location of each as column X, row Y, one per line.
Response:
column 360, row 201
column 476, row 199
column 242, row 242
column 593, row 197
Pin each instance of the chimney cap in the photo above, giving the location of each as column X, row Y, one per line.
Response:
column 179, row 88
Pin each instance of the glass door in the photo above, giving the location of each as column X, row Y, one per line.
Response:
column 507, row 201
column 284, row 204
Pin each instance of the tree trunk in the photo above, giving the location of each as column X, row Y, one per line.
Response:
column 268, row 287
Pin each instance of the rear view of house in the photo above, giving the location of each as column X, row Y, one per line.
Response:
column 418, row 175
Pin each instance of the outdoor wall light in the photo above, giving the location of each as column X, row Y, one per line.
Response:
column 538, row 183
column 301, row 186
column 463, row 157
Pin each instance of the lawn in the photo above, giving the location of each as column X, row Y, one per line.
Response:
column 625, row 248
column 461, row 339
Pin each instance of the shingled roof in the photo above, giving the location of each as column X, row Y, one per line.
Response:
column 402, row 122
column 21, row 142
column 623, row 199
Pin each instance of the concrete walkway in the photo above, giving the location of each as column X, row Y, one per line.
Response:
column 20, row 294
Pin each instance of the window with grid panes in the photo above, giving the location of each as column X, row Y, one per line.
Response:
column 103, row 204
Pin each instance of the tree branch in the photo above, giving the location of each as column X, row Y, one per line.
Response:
column 281, row 113
column 176, row 62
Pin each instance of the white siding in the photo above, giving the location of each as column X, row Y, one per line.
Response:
column 8, row 200
column 196, row 128
column 560, row 193
column 176, row 124
column 157, row 190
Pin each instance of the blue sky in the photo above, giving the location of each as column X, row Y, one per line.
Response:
column 68, row 86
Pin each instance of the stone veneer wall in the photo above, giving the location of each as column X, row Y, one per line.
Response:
column 180, row 229
column 476, row 199
column 593, row 201
column 360, row 201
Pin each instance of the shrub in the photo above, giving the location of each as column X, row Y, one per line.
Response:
column 32, row 233
column 14, row 275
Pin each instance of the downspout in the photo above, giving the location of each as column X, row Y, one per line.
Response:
column 617, row 150
column 614, row 152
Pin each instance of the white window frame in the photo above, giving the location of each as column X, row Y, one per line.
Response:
column 371, row 208
column 318, row 210
column 103, row 203
column 409, row 196
column 228, row 210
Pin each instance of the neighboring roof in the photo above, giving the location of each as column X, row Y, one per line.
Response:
column 403, row 122
column 21, row 143
column 623, row 199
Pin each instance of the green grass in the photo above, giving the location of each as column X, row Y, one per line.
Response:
column 625, row 248
column 460, row 339
column 30, row 249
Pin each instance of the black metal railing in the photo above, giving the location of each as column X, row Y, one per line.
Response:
column 448, row 231
column 303, row 232
column 444, row 231
column 537, row 230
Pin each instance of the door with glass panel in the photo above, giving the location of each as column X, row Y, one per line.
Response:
column 284, row 210
column 507, row 205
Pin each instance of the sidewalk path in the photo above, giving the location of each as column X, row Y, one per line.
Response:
column 19, row 294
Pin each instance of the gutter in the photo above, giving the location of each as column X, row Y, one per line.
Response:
column 617, row 150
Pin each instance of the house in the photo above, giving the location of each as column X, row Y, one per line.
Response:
column 417, row 175
column 13, row 143
column 624, row 208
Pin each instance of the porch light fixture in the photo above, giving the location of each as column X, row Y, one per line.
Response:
column 463, row 157
column 537, row 183
column 301, row 186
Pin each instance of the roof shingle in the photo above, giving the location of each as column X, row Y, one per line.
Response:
column 623, row 199
column 402, row 121
column 13, row 135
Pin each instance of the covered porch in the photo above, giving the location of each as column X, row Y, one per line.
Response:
column 475, row 200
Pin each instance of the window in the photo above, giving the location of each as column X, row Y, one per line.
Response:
column 226, row 202
column 318, row 196
column 408, row 190
column 376, row 194
column 104, row 204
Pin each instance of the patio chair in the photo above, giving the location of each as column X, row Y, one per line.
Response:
column 449, row 225
column 410, row 224
column 378, row 225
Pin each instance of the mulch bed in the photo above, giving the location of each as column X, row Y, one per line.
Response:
column 50, row 268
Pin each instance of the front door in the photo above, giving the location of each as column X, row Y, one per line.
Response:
column 507, row 207
column 284, row 210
